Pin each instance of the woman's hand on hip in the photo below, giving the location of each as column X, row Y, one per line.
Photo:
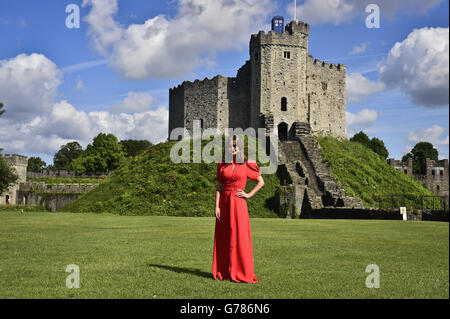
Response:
column 242, row 194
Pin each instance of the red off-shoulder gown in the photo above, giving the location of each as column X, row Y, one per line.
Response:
column 233, row 255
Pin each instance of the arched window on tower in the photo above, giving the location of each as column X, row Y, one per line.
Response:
column 284, row 104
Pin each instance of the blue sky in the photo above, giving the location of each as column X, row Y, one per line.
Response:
column 114, row 72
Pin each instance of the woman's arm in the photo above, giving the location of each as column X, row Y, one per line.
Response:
column 258, row 186
column 219, row 189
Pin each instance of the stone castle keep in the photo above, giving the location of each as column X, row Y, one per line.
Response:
column 280, row 87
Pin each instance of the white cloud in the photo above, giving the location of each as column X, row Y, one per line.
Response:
column 434, row 135
column 45, row 134
column 419, row 65
column 134, row 102
column 164, row 47
column 343, row 11
column 35, row 123
column 360, row 121
column 359, row 48
column 360, row 87
column 28, row 85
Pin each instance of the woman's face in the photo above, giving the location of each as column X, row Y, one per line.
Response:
column 234, row 149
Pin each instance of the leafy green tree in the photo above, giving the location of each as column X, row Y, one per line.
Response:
column 375, row 144
column 36, row 164
column 378, row 147
column 104, row 154
column 361, row 138
column 64, row 157
column 7, row 175
column 134, row 147
column 419, row 153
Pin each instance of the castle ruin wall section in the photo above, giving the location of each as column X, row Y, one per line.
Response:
column 176, row 108
column 326, row 98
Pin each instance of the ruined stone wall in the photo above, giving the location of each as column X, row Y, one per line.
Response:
column 64, row 173
column 220, row 102
column 238, row 92
column 53, row 197
column 199, row 100
column 436, row 178
column 404, row 167
column 326, row 98
column 176, row 108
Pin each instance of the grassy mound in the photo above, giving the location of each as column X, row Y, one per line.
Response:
column 151, row 184
column 364, row 174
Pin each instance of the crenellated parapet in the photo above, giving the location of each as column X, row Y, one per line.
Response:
column 296, row 27
column 41, row 187
column 15, row 159
column 311, row 61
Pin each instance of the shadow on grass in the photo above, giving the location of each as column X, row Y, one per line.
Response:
column 190, row 271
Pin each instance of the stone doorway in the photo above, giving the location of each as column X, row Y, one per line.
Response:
column 283, row 131
column 7, row 200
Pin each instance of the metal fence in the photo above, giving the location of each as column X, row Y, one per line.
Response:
column 411, row 201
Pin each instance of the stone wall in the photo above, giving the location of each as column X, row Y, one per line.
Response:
column 326, row 98
column 53, row 197
column 435, row 179
column 404, row 167
column 309, row 181
column 176, row 107
column 64, row 173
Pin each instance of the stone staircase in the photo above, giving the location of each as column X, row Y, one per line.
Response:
column 314, row 187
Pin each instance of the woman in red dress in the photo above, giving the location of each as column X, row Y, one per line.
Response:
column 233, row 255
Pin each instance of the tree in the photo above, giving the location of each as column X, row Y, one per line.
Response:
column 65, row 156
column 419, row 153
column 35, row 164
column 378, row 147
column 7, row 175
column 104, row 154
column 361, row 138
column 375, row 144
column 134, row 147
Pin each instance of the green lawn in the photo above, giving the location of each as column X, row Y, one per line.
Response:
column 170, row 257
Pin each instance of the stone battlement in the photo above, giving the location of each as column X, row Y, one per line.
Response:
column 16, row 159
column 197, row 83
column 41, row 187
column 325, row 64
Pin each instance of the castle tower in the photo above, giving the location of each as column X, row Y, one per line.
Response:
column 20, row 164
column 278, row 68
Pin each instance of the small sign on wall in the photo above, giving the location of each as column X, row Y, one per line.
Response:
column 403, row 212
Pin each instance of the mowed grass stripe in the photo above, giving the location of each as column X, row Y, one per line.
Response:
column 170, row 257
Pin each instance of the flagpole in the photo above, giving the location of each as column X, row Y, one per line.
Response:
column 295, row 10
